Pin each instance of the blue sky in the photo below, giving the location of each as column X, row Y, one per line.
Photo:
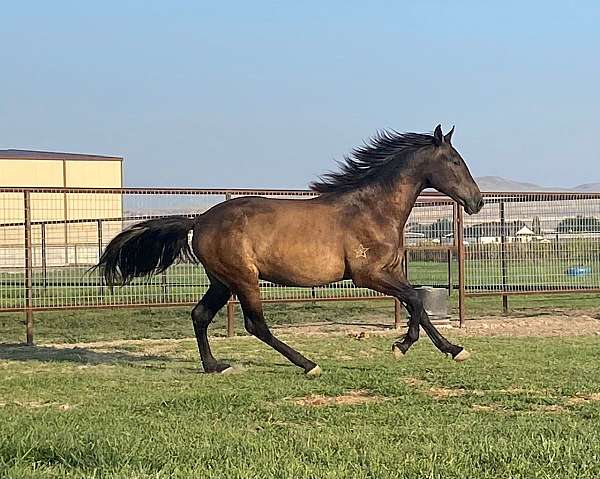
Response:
column 268, row 94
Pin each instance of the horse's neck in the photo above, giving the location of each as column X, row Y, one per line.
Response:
column 390, row 205
column 400, row 201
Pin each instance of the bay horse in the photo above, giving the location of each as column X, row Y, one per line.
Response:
column 352, row 230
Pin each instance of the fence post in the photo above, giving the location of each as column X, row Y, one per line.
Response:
column 450, row 285
column 503, row 256
column 99, row 226
column 28, row 267
column 230, row 303
column 460, row 244
column 397, row 314
column 164, row 286
column 44, row 260
column 230, row 317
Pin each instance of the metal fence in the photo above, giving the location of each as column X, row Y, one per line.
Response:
column 533, row 243
column 519, row 243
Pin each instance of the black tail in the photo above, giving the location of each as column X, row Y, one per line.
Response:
column 146, row 249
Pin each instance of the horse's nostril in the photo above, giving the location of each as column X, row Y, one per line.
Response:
column 480, row 204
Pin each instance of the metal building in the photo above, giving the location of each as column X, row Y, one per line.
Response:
column 65, row 224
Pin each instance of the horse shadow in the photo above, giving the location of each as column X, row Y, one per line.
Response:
column 23, row 352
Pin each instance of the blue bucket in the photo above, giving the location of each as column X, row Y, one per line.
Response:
column 579, row 271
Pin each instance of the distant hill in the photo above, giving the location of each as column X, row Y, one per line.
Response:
column 591, row 187
column 497, row 183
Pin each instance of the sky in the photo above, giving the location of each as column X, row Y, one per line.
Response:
column 269, row 94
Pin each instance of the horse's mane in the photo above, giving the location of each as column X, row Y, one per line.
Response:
column 372, row 161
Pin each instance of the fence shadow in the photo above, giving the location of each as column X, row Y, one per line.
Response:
column 21, row 352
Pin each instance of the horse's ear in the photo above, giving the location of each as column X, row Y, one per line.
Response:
column 438, row 136
column 448, row 136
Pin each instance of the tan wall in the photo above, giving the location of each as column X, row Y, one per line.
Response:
column 54, row 206
column 91, row 174
column 31, row 173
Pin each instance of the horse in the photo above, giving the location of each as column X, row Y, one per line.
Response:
column 352, row 230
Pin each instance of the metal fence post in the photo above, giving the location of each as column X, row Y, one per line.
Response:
column 450, row 284
column 460, row 244
column 397, row 314
column 230, row 317
column 44, row 259
column 503, row 257
column 99, row 227
column 28, row 267
column 164, row 286
column 230, row 303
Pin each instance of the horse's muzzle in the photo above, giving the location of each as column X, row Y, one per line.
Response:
column 474, row 206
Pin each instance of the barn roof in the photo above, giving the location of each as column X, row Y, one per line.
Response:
column 12, row 154
column 524, row 232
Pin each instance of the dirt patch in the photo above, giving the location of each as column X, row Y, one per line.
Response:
column 436, row 392
column 112, row 352
column 144, row 346
column 37, row 405
column 345, row 357
column 356, row 331
column 483, row 408
column 350, row 398
column 549, row 408
column 444, row 393
column 441, row 392
column 583, row 398
column 544, row 323
column 542, row 326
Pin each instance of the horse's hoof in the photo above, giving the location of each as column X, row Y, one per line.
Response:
column 397, row 352
column 462, row 356
column 219, row 368
column 314, row 372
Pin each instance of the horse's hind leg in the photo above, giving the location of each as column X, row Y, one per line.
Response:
column 254, row 321
column 203, row 313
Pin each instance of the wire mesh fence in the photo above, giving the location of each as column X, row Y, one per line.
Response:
column 519, row 243
column 430, row 258
column 533, row 243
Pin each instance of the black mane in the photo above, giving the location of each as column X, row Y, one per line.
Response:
column 371, row 161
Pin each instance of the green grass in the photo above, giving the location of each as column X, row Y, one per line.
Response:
column 174, row 322
column 106, row 324
column 521, row 408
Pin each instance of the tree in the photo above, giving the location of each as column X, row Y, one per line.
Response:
column 437, row 229
column 579, row 224
column 535, row 227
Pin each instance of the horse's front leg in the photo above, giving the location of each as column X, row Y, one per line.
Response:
column 393, row 283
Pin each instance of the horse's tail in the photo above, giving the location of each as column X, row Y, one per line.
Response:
column 146, row 249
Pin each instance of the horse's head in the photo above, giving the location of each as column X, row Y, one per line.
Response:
column 447, row 172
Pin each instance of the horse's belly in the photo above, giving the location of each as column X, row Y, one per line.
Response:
column 300, row 278
column 302, row 270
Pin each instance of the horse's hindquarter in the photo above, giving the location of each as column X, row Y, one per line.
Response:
column 291, row 242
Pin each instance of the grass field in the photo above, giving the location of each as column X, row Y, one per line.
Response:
column 73, row 326
column 521, row 408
